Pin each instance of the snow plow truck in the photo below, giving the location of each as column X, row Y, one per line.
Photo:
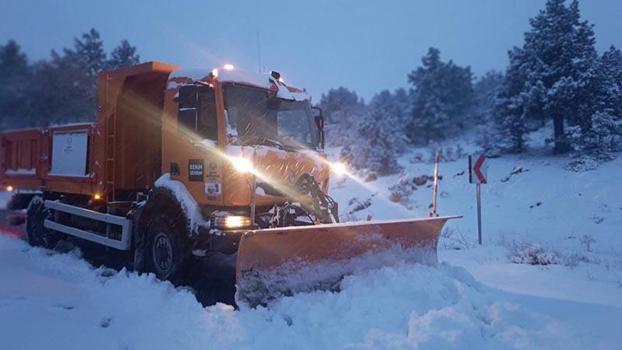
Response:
column 182, row 164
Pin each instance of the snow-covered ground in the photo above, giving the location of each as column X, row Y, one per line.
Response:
column 477, row 297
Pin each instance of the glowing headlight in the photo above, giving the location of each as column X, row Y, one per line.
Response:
column 232, row 221
column 228, row 66
column 338, row 168
column 237, row 221
column 9, row 188
column 242, row 165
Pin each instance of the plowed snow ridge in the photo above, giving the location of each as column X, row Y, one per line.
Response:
column 75, row 307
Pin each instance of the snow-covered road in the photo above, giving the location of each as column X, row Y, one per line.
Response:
column 56, row 301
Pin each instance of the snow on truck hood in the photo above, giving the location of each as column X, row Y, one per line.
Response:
column 262, row 151
column 262, row 80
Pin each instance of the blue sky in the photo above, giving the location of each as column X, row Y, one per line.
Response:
column 363, row 45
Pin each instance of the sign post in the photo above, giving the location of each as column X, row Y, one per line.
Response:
column 479, row 213
column 477, row 175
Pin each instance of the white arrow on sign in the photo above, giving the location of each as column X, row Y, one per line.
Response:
column 477, row 170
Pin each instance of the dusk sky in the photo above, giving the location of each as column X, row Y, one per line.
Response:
column 366, row 46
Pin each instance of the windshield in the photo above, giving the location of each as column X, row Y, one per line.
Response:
column 253, row 118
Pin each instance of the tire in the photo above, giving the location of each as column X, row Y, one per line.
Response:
column 38, row 235
column 166, row 248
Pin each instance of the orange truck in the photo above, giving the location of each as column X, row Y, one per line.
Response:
column 185, row 164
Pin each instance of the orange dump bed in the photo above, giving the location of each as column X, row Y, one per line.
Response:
column 120, row 153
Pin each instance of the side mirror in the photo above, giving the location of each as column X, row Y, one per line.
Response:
column 319, row 122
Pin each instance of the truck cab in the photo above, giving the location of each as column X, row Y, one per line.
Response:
column 240, row 143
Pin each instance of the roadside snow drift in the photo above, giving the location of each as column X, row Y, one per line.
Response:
column 57, row 301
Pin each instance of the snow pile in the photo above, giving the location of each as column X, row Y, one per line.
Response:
column 406, row 306
column 260, row 286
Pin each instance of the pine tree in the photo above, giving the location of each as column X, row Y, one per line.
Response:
column 89, row 51
column 558, row 70
column 610, row 81
column 77, row 70
column 401, row 114
column 602, row 133
column 123, row 56
column 511, row 111
column 342, row 109
column 486, row 90
column 64, row 93
column 442, row 95
column 379, row 137
column 68, row 89
column 66, row 83
column 14, row 82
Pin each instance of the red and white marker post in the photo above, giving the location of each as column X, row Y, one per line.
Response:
column 477, row 175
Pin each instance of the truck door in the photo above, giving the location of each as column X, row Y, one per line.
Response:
column 197, row 122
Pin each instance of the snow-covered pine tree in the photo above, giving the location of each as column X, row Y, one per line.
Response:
column 442, row 95
column 602, row 133
column 123, row 56
column 399, row 114
column 428, row 113
column 342, row 109
column 459, row 98
column 486, row 90
column 558, row 63
column 610, row 81
column 380, row 137
column 510, row 111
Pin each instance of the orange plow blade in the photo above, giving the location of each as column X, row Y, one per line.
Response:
column 282, row 261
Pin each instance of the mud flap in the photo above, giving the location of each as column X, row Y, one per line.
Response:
column 282, row 261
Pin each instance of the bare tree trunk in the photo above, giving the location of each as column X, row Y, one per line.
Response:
column 561, row 144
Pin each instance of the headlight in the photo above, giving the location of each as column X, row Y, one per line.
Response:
column 232, row 221
column 242, row 165
column 338, row 168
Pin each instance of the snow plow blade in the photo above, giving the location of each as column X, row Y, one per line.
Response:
column 282, row 261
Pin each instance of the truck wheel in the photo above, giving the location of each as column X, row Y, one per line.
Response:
column 165, row 250
column 37, row 234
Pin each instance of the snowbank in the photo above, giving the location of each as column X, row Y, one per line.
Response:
column 58, row 301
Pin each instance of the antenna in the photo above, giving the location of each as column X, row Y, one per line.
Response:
column 258, row 52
